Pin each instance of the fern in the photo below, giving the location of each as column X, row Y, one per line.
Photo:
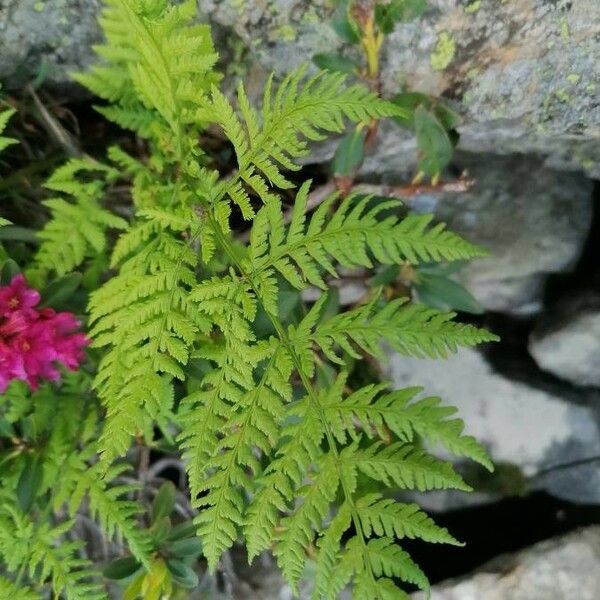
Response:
column 36, row 543
column 274, row 457
column 46, row 555
column 292, row 114
column 157, row 66
column 77, row 228
column 117, row 515
column 16, row 592
column 5, row 116
column 354, row 234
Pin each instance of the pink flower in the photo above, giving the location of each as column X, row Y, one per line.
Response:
column 11, row 366
column 34, row 341
column 17, row 296
column 67, row 343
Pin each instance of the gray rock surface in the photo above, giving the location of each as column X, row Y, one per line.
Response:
column 520, row 425
column 562, row 568
column 522, row 75
column 567, row 343
column 533, row 220
column 49, row 36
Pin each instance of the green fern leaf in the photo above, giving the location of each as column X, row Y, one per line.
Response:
column 296, row 111
column 117, row 515
column 78, row 227
column 5, row 116
column 402, row 465
column 376, row 410
column 298, row 528
column 352, row 236
column 385, row 517
column 389, row 560
column 11, row 590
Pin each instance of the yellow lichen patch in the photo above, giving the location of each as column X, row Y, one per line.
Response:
column 444, row 51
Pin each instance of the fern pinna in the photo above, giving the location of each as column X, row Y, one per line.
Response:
column 276, row 458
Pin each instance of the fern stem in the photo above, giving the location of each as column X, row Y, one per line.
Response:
column 310, row 389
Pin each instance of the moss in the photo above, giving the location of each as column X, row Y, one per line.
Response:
column 39, row 6
column 444, row 51
column 573, row 78
column 311, row 16
column 237, row 66
column 239, row 5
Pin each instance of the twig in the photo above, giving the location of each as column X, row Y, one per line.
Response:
column 463, row 184
column 167, row 463
column 53, row 127
column 568, row 465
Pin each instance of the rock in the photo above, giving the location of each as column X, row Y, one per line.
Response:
column 562, row 568
column 521, row 74
column 51, row 36
column 533, row 220
column 529, row 428
column 567, row 343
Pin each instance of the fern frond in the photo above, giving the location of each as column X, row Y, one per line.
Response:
column 116, row 514
column 5, row 116
column 298, row 528
column 357, row 232
column 157, row 67
column 59, row 560
column 410, row 329
column 401, row 465
column 11, row 590
column 298, row 110
column 206, row 410
column 44, row 550
column 299, row 449
column 263, row 462
column 381, row 589
column 387, row 559
column 333, row 573
column 156, row 61
column 309, row 471
column 426, row 418
column 232, row 415
column 145, row 318
column 77, row 227
column 430, row 419
column 385, row 517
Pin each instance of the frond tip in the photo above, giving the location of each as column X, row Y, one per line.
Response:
column 299, row 110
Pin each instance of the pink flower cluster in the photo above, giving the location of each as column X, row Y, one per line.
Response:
column 33, row 340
